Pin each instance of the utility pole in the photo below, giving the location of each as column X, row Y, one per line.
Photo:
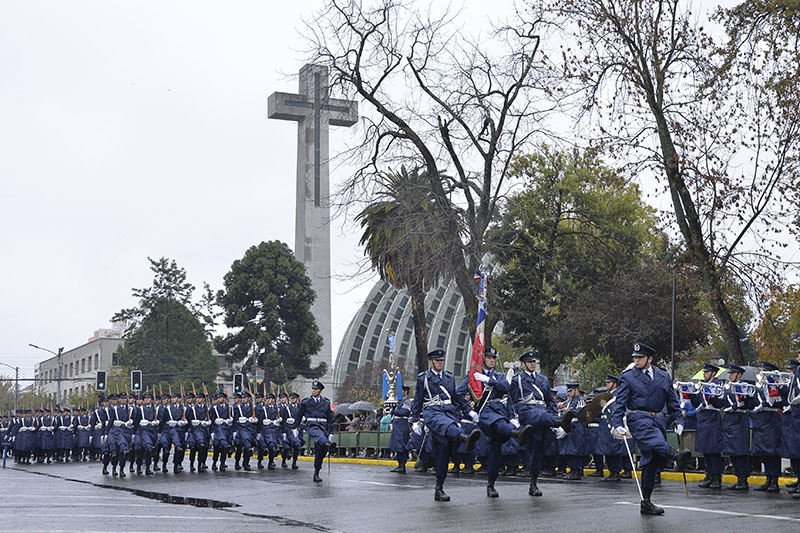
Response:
column 16, row 390
column 58, row 374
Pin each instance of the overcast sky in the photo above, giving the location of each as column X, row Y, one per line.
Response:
column 134, row 129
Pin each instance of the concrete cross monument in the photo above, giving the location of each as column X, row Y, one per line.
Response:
column 313, row 109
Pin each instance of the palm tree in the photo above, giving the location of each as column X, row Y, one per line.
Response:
column 407, row 243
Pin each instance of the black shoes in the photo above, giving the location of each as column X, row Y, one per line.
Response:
column 681, row 458
column 770, row 486
column 533, row 490
column 612, row 477
column 490, row 490
column 439, row 494
column 648, row 507
column 523, row 434
column 716, row 482
column 596, row 473
column 566, row 422
column 469, row 439
column 573, row 475
column 740, row 486
column 401, row 469
column 317, row 479
column 706, row 481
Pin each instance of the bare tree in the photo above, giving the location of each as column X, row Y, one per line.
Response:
column 706, row 118
column 458, row 108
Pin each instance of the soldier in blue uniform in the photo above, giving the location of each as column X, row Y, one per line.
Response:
column 572, row 447
column 269, row 423
column 736, row 429
column 291, row 444
column 47, row 435
column 199, row 420
column 222, row 429
column 708, row 438
column 145, row 425
column 317, row 415
column 438, row 402
column 493, row 417
column 64, row 430
column 644, row 391
column 613, row 449
column 83, row 434
column 399, row 441
column 766, row 424
column 120, row 433
column 789, row 438
column 173, row 421
column 244, row 428
column 188, row 434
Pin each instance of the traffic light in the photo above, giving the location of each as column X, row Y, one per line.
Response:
column 238, row 383
column 100, row 385
column 136, row 380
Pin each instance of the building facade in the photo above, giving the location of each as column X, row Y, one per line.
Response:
column 386, row 310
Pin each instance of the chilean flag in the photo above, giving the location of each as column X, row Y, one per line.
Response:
column 478, row 345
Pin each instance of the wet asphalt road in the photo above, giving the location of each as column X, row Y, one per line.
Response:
column 77, row 497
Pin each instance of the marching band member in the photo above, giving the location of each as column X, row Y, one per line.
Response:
column 766, row 423
column 708, row 438
column 736, row 428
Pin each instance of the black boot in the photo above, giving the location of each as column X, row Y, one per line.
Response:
column 613, row 476
column 523, row 434
column 533, row 490
column 122, row 470
column 283, row 462
column 147, row 471
column 294, row 462
column 716, row 482
column 490, row 490
column 317, row 479
column 456, row 469
column 681, row 458
column 740, row 486
column 469, row 439
column 566, row 422
column 706, row 482
column 400, row 469
column 773, row 485
column 439, row 494
column 793, row 484
column 648, row 507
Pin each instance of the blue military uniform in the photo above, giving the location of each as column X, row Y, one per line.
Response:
column 269, row 423
column 83, row 435
column 573, row 447
column 613, row 449
column 736, row 430
column 244, row 431
column 119, row 436
column 708, row 436
column 200, row 428
column 47, row 435
column 222, row 430
column 438, row 402
column 316, row 413
column 766, row 425
column 399, row 441
column 174, row 425
column 146, row 426
column 642, row 397
column 291, row 443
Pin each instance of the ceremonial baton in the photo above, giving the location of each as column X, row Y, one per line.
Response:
column 633, row 465
column 685, row 485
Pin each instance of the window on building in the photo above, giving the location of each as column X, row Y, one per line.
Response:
column 449, row 313
column 354, row 355
column 70, row 370
column 404, row 301
column 407, row 336
column 97, row 361
column 371, row 354
column 457, row 369
column 435, row 305
column 442, row 341
column 83, row 366
column 362, row 330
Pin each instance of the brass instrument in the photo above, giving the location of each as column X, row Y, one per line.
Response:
column 742, row 389
column 775, row 377
column 687, row 387
column 716, row 390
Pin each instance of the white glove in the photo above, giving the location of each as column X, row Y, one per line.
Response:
column 172, row 423
column 515, row 422
column 759, row 407
column 560, row 433
column 129, row 424
column 295, row 432
column 474, row 416
column 183, row 422
column 417, row 428
column 620, row 432
column 195, row 422
column 252, row 419
column 679, row 430
column 205, row 423
column 144, row 423
column 229, row 421
column 290, row 421
column 266, row 422
column 243, row 419
column 330, row 437
column 483, row 378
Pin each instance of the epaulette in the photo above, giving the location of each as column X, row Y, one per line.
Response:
column 421, row 374
column 627, row 370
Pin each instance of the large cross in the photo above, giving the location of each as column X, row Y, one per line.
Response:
column 314, row 110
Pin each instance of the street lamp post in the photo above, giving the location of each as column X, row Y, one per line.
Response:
column 58, row 374
column 16, row 385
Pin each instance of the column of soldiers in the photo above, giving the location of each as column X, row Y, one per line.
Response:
column 448, row 425
column 137, row 432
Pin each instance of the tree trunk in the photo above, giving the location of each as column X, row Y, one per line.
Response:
column 420, row 327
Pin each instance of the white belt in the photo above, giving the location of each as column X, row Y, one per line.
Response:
column 436, row 401
column 532, row 402
column 171, row 423
column 65, row 428
column 592, row 425
column 119, row 423
column 316, row 419
column 243, row 419
column 195, row 422
column 400, row 418
column 205, row 423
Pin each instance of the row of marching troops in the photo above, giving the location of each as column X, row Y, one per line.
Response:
column 141, row 429
column 522, row 419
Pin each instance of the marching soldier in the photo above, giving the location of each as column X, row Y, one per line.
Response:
column 145, row 422
column 288, row 413
column 613, row 449
column 244, row 428
column 163, row 446
column 188, row 435
column 437, row 400
column 174, row 418
column 644, row 391
column 200, row 423
column 493, row 418
column 48, row 442
column 222, row 422
column 120, row 433
column 269, row 423
column 83, row 437
column 318, row 416
column 736, row 429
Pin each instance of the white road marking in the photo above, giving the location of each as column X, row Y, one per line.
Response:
column 385, row 484
column 237, row 517
column 719, row 511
